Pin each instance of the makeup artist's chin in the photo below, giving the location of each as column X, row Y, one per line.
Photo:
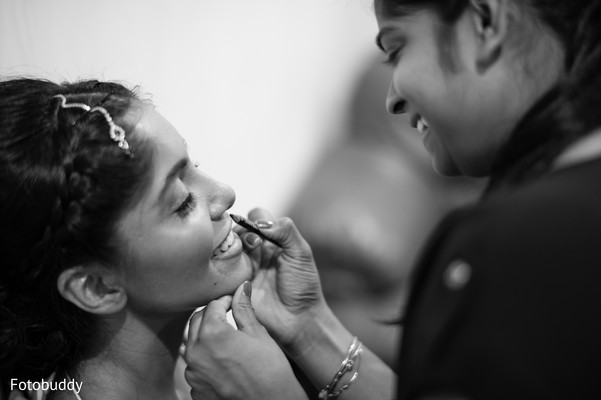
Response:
column 442, row 162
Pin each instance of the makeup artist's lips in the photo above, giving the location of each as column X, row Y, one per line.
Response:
column 422, row 126
column 413, row 120
column 418, row 122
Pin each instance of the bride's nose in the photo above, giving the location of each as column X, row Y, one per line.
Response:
column 221, row 199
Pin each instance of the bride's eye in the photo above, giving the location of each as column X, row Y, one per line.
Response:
column 186, row 207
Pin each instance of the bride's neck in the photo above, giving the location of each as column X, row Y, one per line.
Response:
column 138, row 361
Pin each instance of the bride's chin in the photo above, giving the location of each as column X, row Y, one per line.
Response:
column 242, row 268
column 248, row 265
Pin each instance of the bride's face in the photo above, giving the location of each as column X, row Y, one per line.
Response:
column 180, row 251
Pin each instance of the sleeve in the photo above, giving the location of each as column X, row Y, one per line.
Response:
column 506, row 305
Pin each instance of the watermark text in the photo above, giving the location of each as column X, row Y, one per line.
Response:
column 45, row 386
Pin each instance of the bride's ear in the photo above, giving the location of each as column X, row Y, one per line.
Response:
column 92, row 288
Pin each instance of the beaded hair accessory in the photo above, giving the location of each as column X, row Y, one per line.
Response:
column 115, row 131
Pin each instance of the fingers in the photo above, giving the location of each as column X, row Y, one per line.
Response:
column 212, row 316
column 191, row 333
column 259, row 214
column 250, row 240
column 243, row 311
column 200, row 388
column 285, row 232
column 204, row 395
column 282, row 231
column 193, row 324
column 260, row 251
column 252, row 247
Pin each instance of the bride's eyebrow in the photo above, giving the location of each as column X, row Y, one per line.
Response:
column 173, row 173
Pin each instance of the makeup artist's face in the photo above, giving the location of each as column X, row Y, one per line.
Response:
column 180, row 249
column 460, row 112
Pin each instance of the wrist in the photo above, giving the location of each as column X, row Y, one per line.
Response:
column 323, row 341
column 320, row 347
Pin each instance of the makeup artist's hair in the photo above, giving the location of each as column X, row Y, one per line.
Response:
column 64, row 183
column 568, row 111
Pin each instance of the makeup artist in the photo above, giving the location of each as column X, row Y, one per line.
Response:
column 504, row 301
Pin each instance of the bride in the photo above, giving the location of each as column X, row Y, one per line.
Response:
column 110, row 238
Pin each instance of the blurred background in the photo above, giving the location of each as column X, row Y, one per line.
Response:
column 258, row 88
column 284, row 101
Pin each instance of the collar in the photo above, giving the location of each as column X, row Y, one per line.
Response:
column 585, row 149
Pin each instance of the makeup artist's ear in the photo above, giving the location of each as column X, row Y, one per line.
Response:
column 490, row 19
column 93, row 288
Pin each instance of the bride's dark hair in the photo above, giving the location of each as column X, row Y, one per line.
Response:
column 568, row 111
column 64, row 183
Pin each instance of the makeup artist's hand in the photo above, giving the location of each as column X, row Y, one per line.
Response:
column 225, row 363
column 287, row 291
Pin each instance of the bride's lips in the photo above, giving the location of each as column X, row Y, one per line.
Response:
column 230, row 244
column 233, row 250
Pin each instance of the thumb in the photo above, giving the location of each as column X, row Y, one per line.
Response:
column 243, row 311
column 284, row 232
column 252, row 245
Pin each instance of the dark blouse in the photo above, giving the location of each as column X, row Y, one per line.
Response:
column 506, row 301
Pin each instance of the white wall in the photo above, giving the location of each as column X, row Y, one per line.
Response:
column 257, row 87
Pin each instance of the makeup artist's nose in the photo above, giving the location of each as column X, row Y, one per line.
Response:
column 395, row 104
column 222, row 198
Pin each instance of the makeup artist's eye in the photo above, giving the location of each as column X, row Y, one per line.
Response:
column 187, row 206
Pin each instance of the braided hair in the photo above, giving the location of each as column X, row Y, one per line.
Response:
column 568, row 111
column 64, row 183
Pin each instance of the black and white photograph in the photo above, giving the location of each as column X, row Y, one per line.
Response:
column 300, row 199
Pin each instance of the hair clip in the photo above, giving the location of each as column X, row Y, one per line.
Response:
column 115, row 131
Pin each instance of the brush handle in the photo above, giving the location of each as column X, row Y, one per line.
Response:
column 250, row 226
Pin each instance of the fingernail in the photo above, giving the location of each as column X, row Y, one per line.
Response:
column 251, row 239
column 247, row 289
column 264, row 224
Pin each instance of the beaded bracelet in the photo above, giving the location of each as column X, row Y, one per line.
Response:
column 350, row 363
